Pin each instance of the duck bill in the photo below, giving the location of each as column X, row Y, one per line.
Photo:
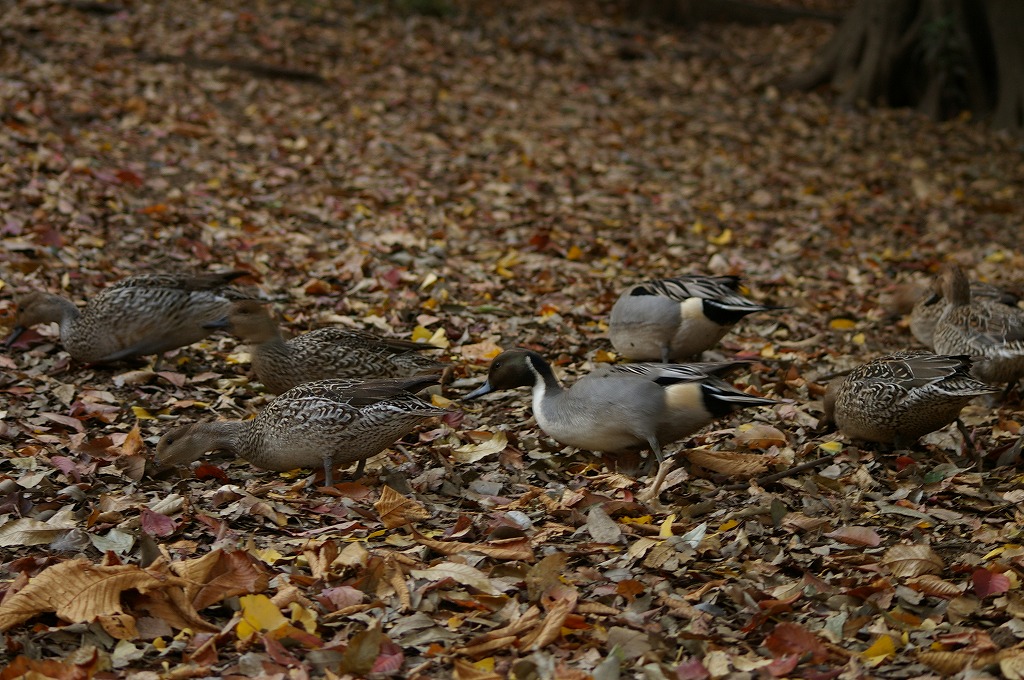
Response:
column 480, row 391
column 218, row 324
column 15, row 334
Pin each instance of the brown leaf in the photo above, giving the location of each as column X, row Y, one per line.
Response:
column 912, row 560
column 395, row 510
column 793, row 639
column 856, row 536
column 362, row 651
column 729, row 462
column 79, row 592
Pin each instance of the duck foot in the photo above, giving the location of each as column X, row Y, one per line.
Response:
column 649, row 496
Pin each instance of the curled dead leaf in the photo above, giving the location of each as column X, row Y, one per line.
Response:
column 912, row 560
column 729, row 462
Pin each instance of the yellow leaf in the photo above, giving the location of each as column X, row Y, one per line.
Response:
column 421, row 334
column 575, row 253
column 602, row 356
column 304, row 617
column 439, row 401
column 698, row 227
column 159, row 644
column 666, row 527
column 142, row 414
column 728, row 525
column 723, row 239
column 485, row 664
column 859, row 339
column 259, row 614
column 643, row 519
column 831, row 447
column 996, row 256
column 768, row 351
column 268, row 555
column 841, row 324
column 429, row 280
column 363, row 211
column 439, row 339
column 882, row 647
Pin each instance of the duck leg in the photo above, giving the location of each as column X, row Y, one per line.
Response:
column 328, row 470
column 969, row 444
column 650, row 494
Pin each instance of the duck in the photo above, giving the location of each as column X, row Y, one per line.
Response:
column 621, row 408
column 931, row 304
column 328, row 423
column 672, row 319
column 322, row 353
column 991, row 333
column 139, row 315
column 900, row 397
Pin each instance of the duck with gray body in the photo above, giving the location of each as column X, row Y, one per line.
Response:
column 327, row 423
column 620, row 408
column 140, row 315
column 901, row 397
column 323, row 353
column 672, row 319
column 991, row 333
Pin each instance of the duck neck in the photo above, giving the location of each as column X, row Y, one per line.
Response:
column 64, row 311
column 545, row 384
column 224, row 435
column 956, row 288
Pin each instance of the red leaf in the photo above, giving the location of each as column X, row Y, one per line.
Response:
column 792, row 638
column 692, row 669
column 783, row 665
column 989, row 582
column 129, row 177
column 391, row 658
column 155, row 524
column 207, row 471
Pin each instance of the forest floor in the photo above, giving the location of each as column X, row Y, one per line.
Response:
column 488, row 178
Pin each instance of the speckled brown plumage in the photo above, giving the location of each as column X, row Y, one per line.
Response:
column 931, row 304
column 991, row 333
column 323, row 353
column 900, row 397
column 140, row 315
column 327, row 423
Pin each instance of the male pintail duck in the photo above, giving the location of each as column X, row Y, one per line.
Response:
column 672, row 319
column 327, row 423
column 900, row 397
column 139, row 315
column 620, row 408
column 322, row 353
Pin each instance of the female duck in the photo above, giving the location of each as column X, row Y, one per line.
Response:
column 621, row 408
column 139, row 315
column 991, row 333
column 328, row 423
column 671, row 319
column 323, row 353
column 900, row 397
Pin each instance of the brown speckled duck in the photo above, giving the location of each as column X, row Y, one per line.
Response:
column 930, row 306
column 672, row 319
column 327, row 423
column 900, row 397
column 139, row 315
column 990, row 332
column 322, row 353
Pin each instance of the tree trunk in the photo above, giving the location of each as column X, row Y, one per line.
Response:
column 939, row 56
